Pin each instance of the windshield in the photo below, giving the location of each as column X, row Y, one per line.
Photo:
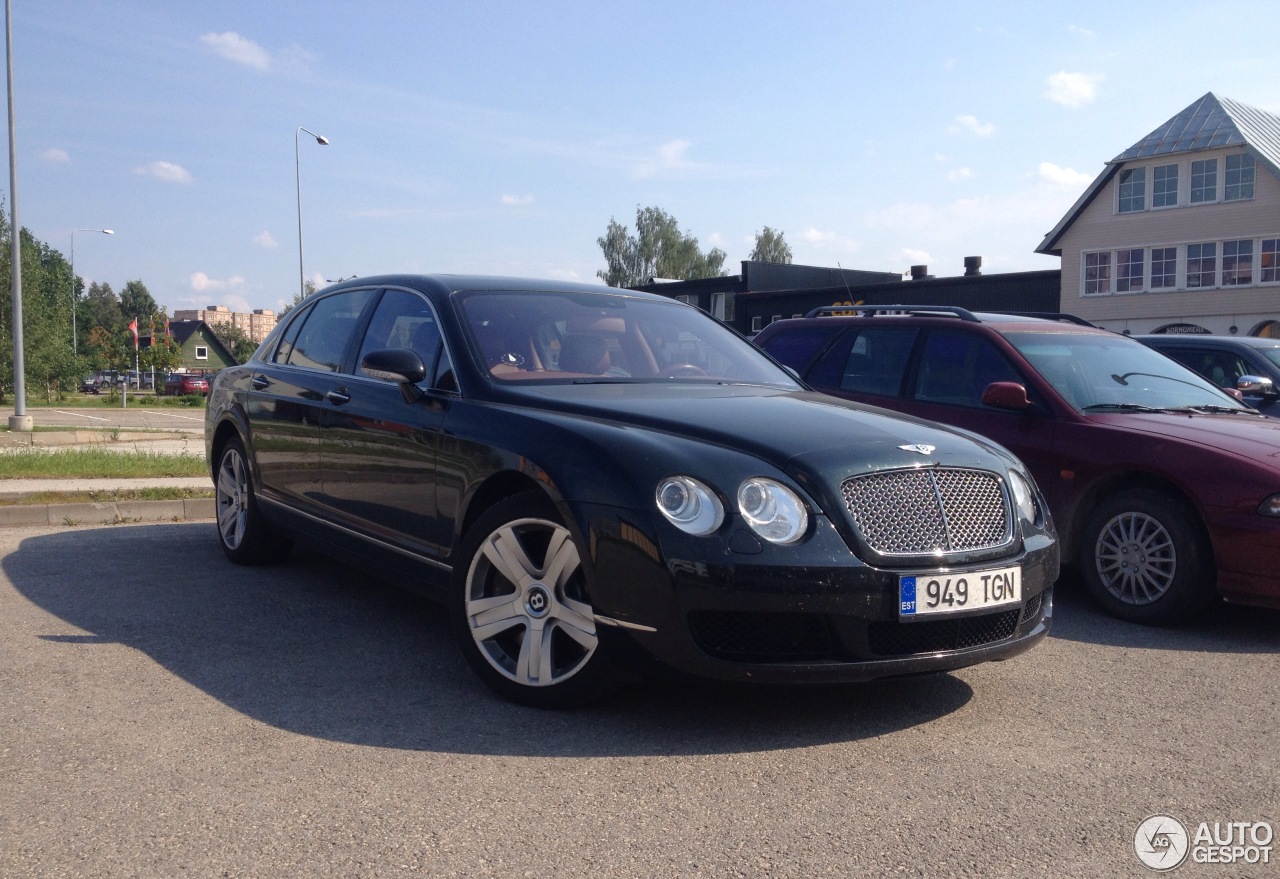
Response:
column 568, row 338
column 1096, row 373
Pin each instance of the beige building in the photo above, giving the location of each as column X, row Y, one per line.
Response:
column 1181, row 232
column 255, row 324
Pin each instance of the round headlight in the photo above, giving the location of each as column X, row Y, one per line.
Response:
column 1023, row 497
column 772, row 510
column 689, row 505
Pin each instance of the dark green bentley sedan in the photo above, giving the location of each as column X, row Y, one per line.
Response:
column 599, row 482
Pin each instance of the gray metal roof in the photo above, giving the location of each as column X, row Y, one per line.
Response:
column 1209, row 123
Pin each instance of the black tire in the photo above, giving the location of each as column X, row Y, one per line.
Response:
column 246, row 538
column 1144, row 558
column 502, row 594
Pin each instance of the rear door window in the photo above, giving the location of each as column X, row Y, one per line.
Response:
column 322, row 342
column 957, row 366
column 872, row 362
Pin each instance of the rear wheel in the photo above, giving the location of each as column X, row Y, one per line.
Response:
column 246, row 538
column 522, row 612
column 1144, row 559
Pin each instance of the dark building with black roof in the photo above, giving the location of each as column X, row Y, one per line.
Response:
column 766, row 292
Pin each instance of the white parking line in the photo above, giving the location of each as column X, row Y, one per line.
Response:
column 186, row 417
column 80, row 414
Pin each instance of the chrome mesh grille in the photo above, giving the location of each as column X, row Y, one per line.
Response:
column 929, row 510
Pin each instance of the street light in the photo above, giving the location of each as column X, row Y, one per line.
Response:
column 297, row 167
column 75, row 347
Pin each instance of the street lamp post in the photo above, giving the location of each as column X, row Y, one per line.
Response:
column 75, row 346
column 297, row 168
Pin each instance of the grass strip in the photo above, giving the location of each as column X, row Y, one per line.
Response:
column 40, row 463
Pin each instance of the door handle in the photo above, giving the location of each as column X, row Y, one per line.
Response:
column 338, row 397
column 260, row 382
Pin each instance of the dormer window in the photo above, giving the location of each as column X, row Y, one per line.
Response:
column 1239, row 174
column 1133, row 190
column 1204, row 181
column 1164, row 186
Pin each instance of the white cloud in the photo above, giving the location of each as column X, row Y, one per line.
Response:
column 955, row 175
column 166, row 171
column 1081, row 31
column 517, row 200
column 666, row 158
column 1073, row 89
column 972, row 125
column 202, row 283
column 915, row 257
column 57, row 156
column 234, row 47
column 1051, row 173
column 265, row 240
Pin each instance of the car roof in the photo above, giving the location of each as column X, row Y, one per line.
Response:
column 1191, row 339
column 445, row 284
column 1000, row 322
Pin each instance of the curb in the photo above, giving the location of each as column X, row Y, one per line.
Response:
column 114, row 513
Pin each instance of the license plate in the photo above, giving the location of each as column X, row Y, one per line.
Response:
column 952, row 593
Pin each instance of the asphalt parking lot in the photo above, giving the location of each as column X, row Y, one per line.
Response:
column 165, row 713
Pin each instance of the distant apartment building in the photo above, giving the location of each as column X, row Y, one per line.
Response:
column 255, row 324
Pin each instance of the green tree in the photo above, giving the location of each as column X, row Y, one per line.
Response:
column 136, row 301
column 308, row 287
column 100, row 307
column 770, row 247
column 658, row 249
column 236, row 340
column 51, row 365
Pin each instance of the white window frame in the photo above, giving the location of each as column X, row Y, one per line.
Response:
column 1173, row 277
column 1155, row 181
column 1100, row 285
column 1209, row 169
column 202, row 352
column 1241, row 272
column 1213, row 281
column 1131, row 191
column 1246, row 174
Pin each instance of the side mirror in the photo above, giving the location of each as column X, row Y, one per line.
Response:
column 1256, row 385
column 1006, row 395
column 399, row 365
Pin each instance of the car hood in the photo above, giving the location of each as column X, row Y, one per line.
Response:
column 1248, row 435
column 789, row 429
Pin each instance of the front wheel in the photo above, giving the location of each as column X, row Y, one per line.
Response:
column 522, row 612
column 1144, row 559
column 246, row 538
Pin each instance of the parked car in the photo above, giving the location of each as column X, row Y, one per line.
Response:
column 593, row 478
column 182, row 383
column 1248, row 364
column 1163, row 487
column 90, row 384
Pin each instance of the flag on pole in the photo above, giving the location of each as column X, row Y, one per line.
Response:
column 133, row 328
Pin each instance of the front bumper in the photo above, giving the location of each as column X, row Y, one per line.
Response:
column 740, row 609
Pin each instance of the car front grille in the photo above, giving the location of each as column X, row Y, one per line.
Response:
column 763, row 637
column 929, row 510
column 892, row 638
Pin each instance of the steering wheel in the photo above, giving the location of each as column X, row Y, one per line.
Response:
column 682, row 370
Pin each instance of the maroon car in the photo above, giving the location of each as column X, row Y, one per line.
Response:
column 183, row 383
column 1164, row 489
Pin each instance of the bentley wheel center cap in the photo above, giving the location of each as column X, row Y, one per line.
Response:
column 537, row 600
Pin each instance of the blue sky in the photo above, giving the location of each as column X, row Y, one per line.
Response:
column 502, row 137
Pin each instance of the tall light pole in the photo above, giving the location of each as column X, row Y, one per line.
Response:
column 75, row 346
column 19, row 420
column 297, row 168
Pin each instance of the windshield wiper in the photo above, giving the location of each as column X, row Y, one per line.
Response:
column 1214, row 408
column 1123, row 407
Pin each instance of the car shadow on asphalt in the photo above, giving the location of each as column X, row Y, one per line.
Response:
column 1224, row 628
column 322, row 650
